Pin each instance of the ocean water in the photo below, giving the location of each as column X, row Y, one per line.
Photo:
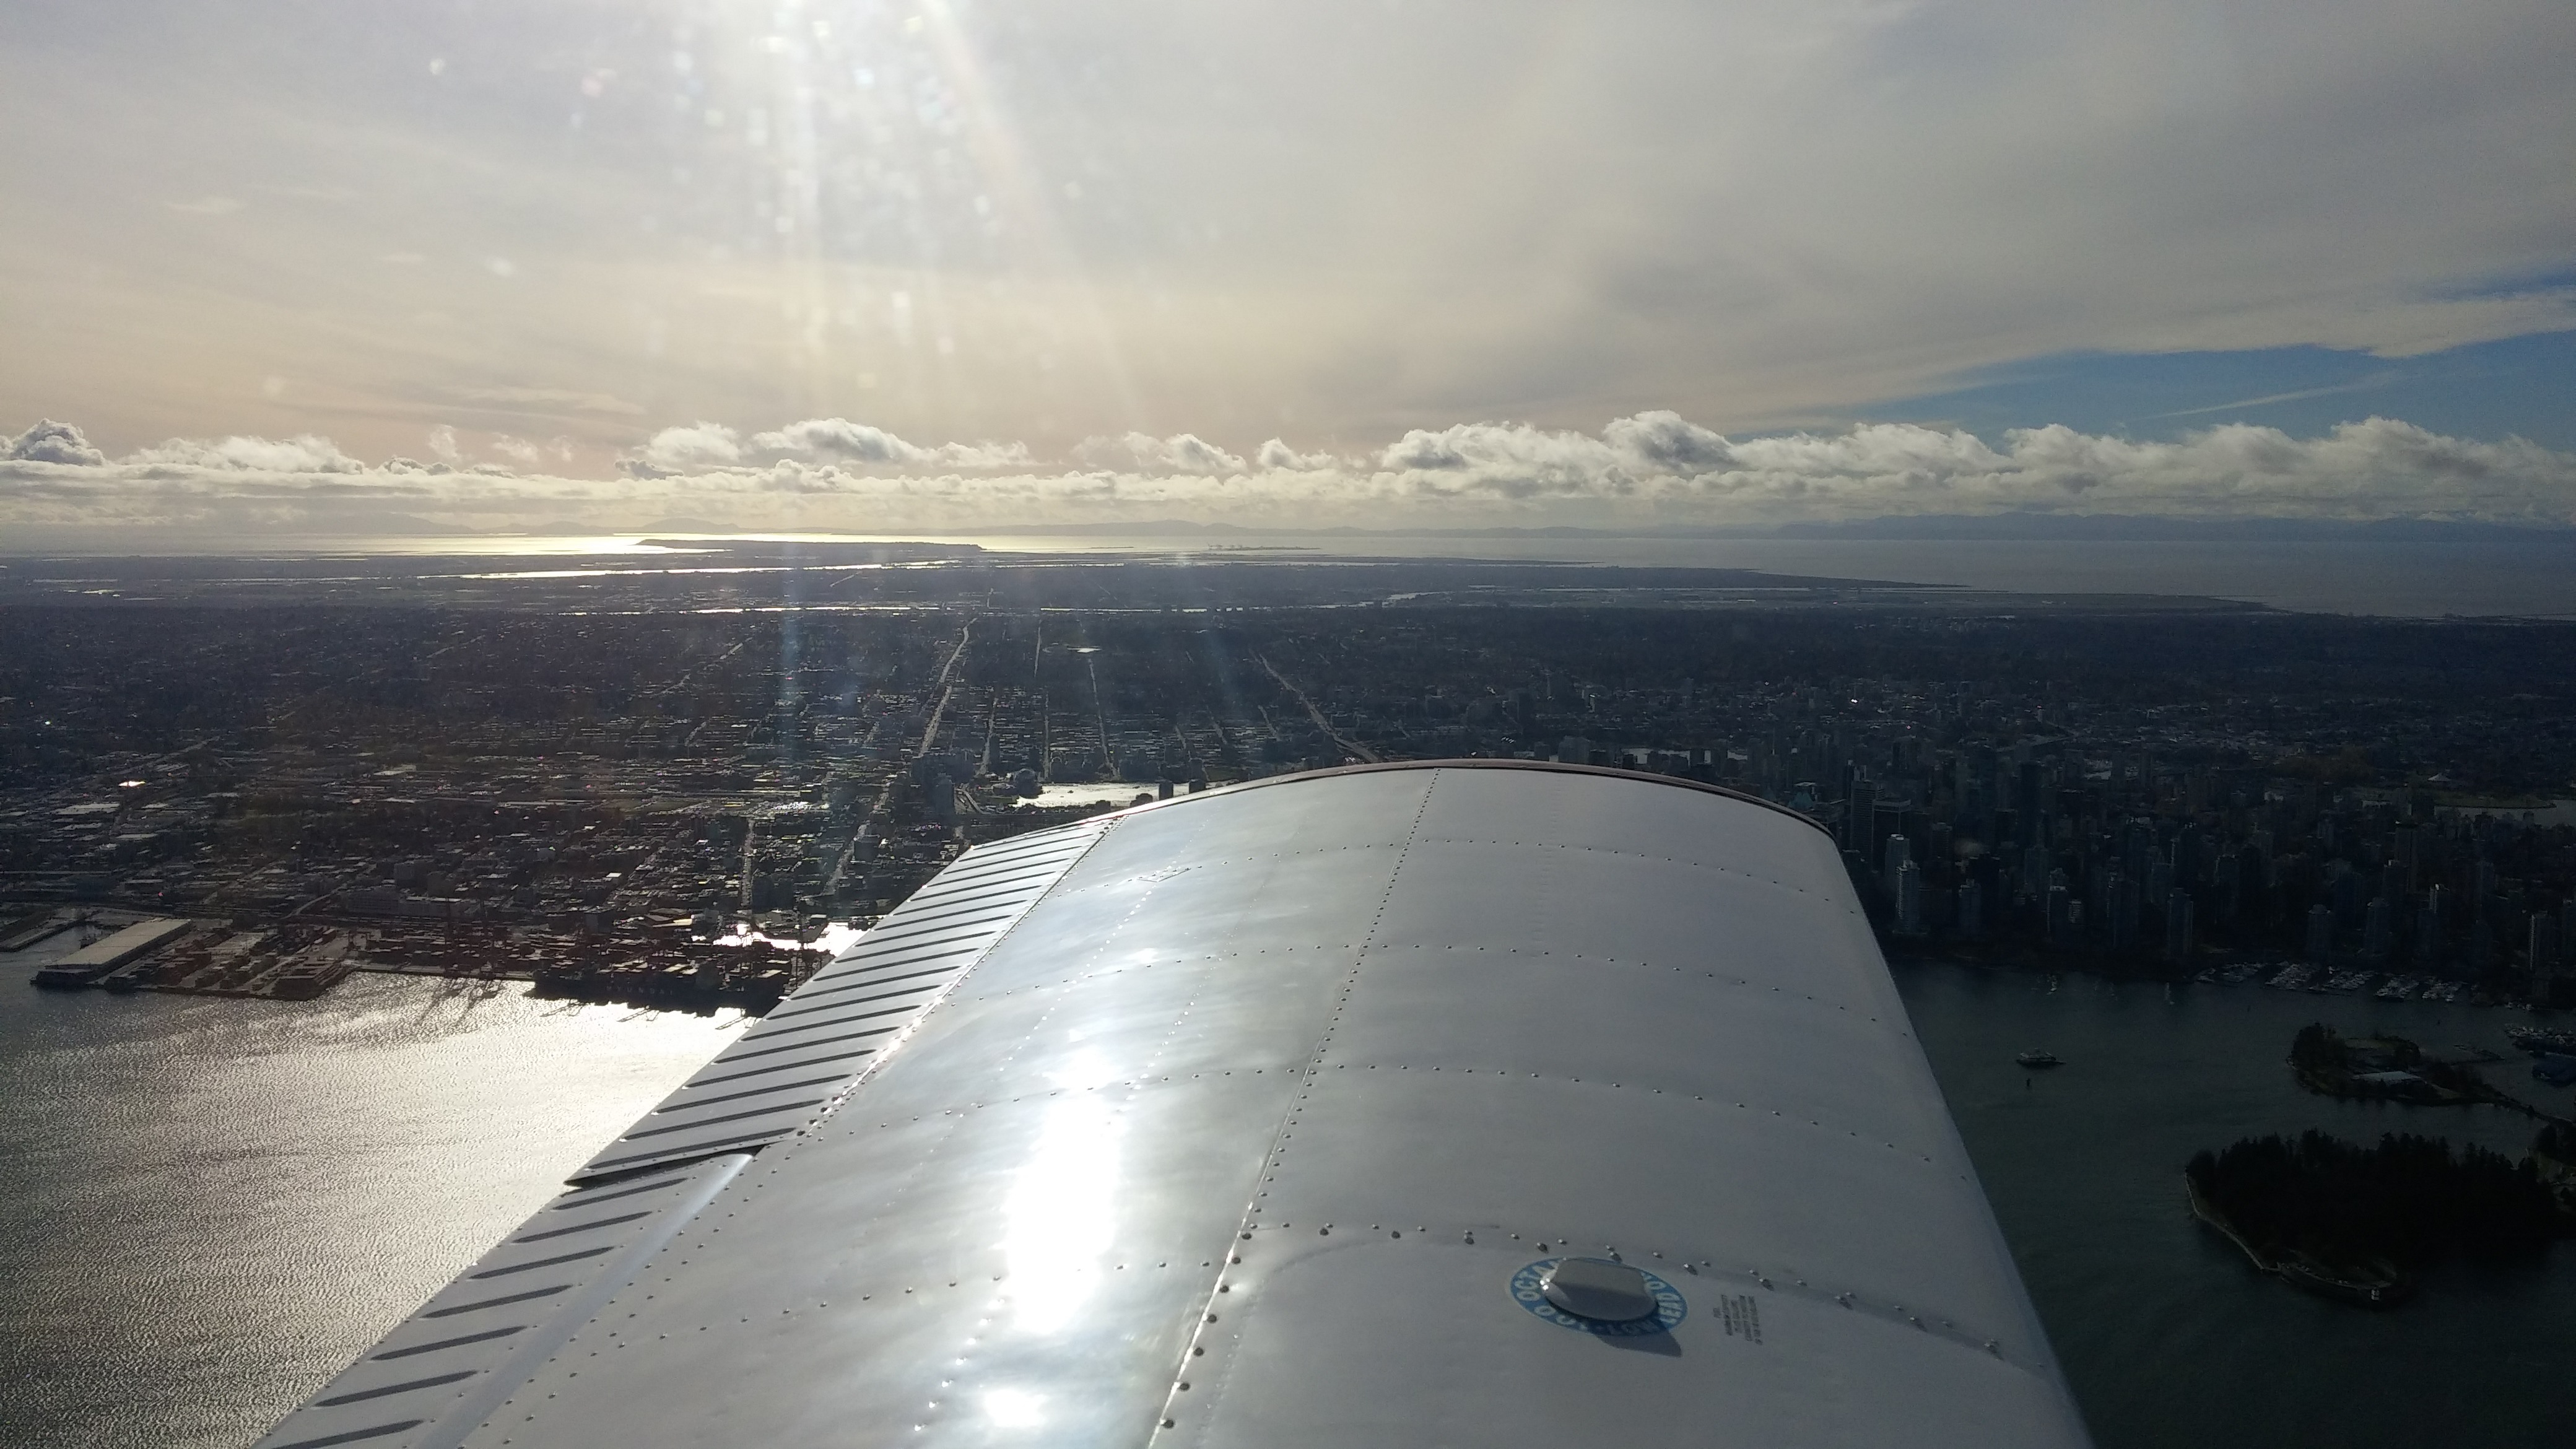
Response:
column 2533, row 578
column 214, row 1205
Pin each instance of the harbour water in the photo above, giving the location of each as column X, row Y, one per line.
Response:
column 214, row 1204
column 2169, row 1338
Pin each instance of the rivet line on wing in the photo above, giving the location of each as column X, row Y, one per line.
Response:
column 1248, row 1223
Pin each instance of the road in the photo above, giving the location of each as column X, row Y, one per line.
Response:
column 1349, row 746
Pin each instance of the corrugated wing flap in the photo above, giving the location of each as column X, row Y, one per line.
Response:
column 796, row 1062
column 441, row 1371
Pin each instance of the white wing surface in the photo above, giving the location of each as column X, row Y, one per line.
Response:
column 1463, row 1103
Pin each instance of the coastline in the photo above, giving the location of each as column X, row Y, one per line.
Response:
column 2303, row 1272
column 2201, row 1209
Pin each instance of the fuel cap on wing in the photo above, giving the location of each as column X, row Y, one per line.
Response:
column 1599, row 1289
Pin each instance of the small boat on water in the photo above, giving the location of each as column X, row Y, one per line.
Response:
column 2039, row 1059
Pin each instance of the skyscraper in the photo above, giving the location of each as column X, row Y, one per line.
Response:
column 2179, row 939
column 2186, row 854
column 2544, row 958
column 2065, row 915
column 2379, row 931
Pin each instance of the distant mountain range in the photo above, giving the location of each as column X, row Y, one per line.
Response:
column 1989, row 526
column 2148, row 529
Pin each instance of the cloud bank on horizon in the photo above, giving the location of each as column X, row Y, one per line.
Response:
column 1646, row 470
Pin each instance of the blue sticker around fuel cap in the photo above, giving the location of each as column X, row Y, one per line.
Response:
column 1669, row 1307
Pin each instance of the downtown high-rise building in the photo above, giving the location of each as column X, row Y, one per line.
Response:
column 2180, row 927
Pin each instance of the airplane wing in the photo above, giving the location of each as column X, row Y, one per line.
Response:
column 1470, row 1102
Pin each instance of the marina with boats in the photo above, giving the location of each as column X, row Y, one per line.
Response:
column 2326, row 981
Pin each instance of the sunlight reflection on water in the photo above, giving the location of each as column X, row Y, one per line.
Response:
column 243, row 1195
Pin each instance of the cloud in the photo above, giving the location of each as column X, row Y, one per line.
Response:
column 1664, row 439
column 1657, row 464
column 303, row 453
column 518, row 450
column 1518, row 461
column 828, row 441
column 1277, row 456
column 838, row 440
column 1145, row 453
column 677, row 450
column 52, row 442
column 1651, row 469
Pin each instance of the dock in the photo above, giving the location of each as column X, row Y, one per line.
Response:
column 202, row 958
column 300, row 958
column 34, row 928
column 91, row 964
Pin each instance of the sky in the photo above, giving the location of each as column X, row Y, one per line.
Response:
column 836, row 264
